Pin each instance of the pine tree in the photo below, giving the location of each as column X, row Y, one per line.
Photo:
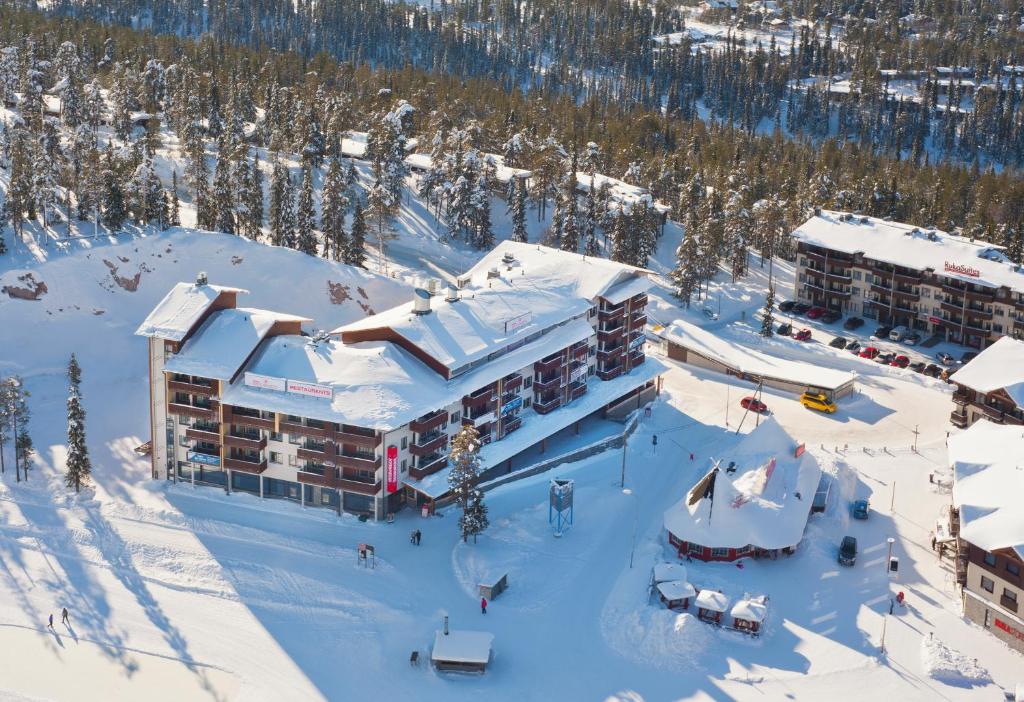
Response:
column 15, row 398
column 768, row 316
column 305, row 216
column 254, row 199
column 333, row 207
column 685, row 275
column 517, row 210
column 589, row 228
column 483, row 234
column 355, row 252
column 114, row 209
column 281, row 206
column 174, row 215
column 223, row 200
column 464, row 480
column 79, row 467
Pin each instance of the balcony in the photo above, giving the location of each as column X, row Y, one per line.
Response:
column 577, row 392
column 638, row 322
column 961, row 399
column 239, row 416
column 428, row 466
column 548, row 405
column 250, row 442
column 548, row 364
column 958, row 418
column 510, row 425
column 839, row 276
column 611, row 314
column 636, row 358
column 548, row 384
column 429, row 421
column 482, row 403
column 346, row 484
column 609, row 373
column 189, row 388
column 428, row 445
column 605, row 336
column 194, row 411
column 310, row 452
column 978, row 296
column 993, row 413
column 197, row 434
column 245, row 465
column 355, row 462
column 298, row 429
column 364, row 438
column 511, row 383
column 638, row 301
column 908, row 278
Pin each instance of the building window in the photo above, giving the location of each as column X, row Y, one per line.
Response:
column 294, row 439
column 1012, row 568
column 528, row 382
column 404, row 465
column 325, row 497
column 276, row 436
column 527, row 401
column 405, row 442
column 987, row 585
column 1010, row 595
column 292, row 461
column 855, row 292
column 926, row 292
column 275, row 457
column 456, row 416
column 696, row 548
column 856, row 275
column 990, row 559
column 999, row 311
column 719, row 553
column 997, row 328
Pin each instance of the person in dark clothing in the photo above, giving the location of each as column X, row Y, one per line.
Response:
column 419, row 535
column 51, row 621
column 65, row 618
column 483, row 605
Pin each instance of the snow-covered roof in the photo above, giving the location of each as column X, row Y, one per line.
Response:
column 906, row 245
column 223, row 342
column 663, row 572
column 988, row 484
column 764, row 504
column 375, row 384
column 712, row 600
column 676, row 589
column 619, row 190
column 461, row 646
column 502, row 173
column 181, row 308
column 753, row 362
column 1000, row 366
column 502, row 302
column 750, row 609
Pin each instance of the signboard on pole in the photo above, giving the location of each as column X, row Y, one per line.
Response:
column 392, row 470
column 310, row 389
column 268, row 382
column 204, row 458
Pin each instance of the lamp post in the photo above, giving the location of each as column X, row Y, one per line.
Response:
column 889, row 541
column 636, row 518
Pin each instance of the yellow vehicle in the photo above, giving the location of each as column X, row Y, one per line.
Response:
column 817, row 401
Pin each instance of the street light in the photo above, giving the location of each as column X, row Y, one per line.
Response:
column 885, row 615
column 889, row 541
column 636, row 518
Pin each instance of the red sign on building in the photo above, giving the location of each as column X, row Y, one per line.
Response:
column 392, row 468
column 1000, row 624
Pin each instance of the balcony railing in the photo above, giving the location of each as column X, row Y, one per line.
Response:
column 252, row 442
column 961, row 398
column 235, row 416
column 190, row 388
column 548, row 384
column 547, row 406
column 187, row 410
column 609, row 373
column 356, row 462
column 313, row 454
column 198, row 434
column 993, row 413
column 245, row 465
column 548, row 364
column 428, row 445
column 510, row 425
column 303, row 430
column 958, row 418
column 428, row 466
column 348, row 484
column 367, row 439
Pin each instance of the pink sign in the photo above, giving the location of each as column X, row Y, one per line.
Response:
column 961, row 269
column 392, row 468
column 311, row 389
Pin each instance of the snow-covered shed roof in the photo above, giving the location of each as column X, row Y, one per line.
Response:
column 619, row 190
column 501, row 302
column 224, row 340
column 978, row 262
column 712, row 600
column 461, row 646
column 753, row 362
column 676, row 590
column 988, row 484
column 175, row 315
column 502, row 173
column 1000, row 366
column 765, row 504
column 750, row 609
column 663, row 572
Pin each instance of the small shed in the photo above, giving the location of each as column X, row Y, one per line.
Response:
column 749, row 614
column 462, row 651
column 676, row 594
column 664, row 572
column 711, row 605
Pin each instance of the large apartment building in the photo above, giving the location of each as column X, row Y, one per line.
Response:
column 987, row 522
column 961, row 290
column 991, row 386
column 531, row 341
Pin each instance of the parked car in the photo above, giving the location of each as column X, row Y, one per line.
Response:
column 786, row 306
column 945, row 358
column 838, row 343
column 817, row 401
column 881, row 333
column 898, row 333
column 853, row 346
column 815, row 312
column 831, row 316
column 802, row 335
column 932, row 370
column 918, row 366
column 860, row 509
column 900, row 361
column 885, row 358
column 968, row 356
column 785, row 329
column 853, row 323
column 710, row 313
column 912, row 338
column 848, row 551
column 753, row 404
column 869, row 352
column 800, row 308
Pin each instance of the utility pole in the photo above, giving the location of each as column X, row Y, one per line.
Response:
column 916, row 432
column 625, row 439
column 892, row 501
column 636, row 518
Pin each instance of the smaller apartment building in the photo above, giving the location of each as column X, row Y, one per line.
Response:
column 961, row 290
column 532, row 341
column 991, row 386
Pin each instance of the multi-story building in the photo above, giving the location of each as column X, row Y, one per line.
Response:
column 530, row 342
column 991, row 386
column 988, row 525
column 961, row 290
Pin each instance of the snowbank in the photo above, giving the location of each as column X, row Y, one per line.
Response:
column 950, row 666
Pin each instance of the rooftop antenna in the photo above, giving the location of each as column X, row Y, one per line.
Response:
column 201, row 279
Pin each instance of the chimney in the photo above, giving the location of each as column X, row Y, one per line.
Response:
column 420, row 301
column 446, row 625
column 201, row 279
column 451, row 295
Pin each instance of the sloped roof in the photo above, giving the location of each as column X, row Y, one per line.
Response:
column 181, row 308
column 1000, row 366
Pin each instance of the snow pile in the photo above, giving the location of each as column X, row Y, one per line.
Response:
column 950, row 666
column 660, row 637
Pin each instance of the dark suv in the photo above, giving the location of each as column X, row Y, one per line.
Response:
column 848, row 551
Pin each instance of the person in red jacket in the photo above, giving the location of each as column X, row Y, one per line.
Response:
column 483, row 605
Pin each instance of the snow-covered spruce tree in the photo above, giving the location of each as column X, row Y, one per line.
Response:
column 174, row 213
column 355, row 251
column 685, row 275
column 333, row 207
column 15, row 397
column 517, row 209
column 78, row 465
column 279, row 205
column 768, row 316
column 6, row 407
column 254, row 199
column 483, row 233
column 114, row 209
column 569, row 226
column 589, row 227
column 223, row 199
column 464, row 479
column 305, row 216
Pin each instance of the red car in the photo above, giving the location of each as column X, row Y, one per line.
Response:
column 868, row 352
column 753, row 405
column 815, row 312
column 802, row 335
column 900, row 362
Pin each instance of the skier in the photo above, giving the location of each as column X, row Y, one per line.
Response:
column 419, row 535
column 51, row 620
column 65, row 618
column 483, row 606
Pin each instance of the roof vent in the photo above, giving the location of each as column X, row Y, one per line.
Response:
column 914, row 232
column 865, row 220
column 508, row 259
column 932, row 236
column 817, row 211
column 201, row 279
column 451, row 295
column 462, row 282
column 420, row 301
column 433, row 286
column 493, row 273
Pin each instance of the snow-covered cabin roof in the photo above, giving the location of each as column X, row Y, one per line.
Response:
column 764, row 504
column 502, row 173
column 988, row 484
column 750, row 609
column 502, row 302
column 753, row 362
column 461, row 646
column 619, row 190
column 906, row 245
column 663, row 572
column 175, row 315
column 676, row 590
column 712, row 600
column 224, row 340
column 1000, row 366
